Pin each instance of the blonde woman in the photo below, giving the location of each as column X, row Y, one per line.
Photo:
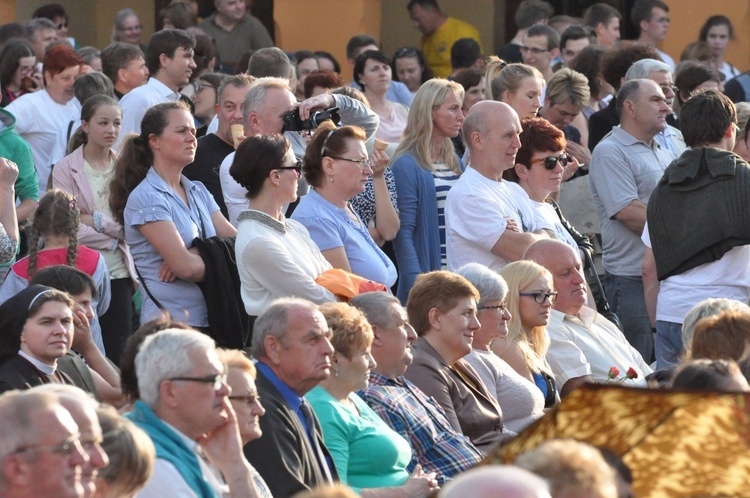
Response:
column 426, row 166
column 518, row 85
column 529, row 301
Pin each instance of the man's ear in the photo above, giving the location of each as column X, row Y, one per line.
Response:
column 273, row 349
column 554, row 52
column 522, row 171
column 376, row 340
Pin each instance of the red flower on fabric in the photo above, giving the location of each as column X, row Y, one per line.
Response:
column 613, row 372
column 631, row 374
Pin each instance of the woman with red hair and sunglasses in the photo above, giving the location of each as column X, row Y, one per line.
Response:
column 539, row 171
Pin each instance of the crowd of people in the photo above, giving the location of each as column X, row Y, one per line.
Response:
column 227, row 271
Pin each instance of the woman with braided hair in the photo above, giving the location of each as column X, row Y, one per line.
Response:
column 55, row 225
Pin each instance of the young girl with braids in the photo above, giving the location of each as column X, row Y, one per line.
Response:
column 54, row 241
column 86, row 174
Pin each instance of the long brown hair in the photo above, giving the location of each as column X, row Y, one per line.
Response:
column 57, row 214
column 136, row 157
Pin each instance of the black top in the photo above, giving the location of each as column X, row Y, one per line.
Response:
column 210, row 153
column 602, row 122
column 510, row 53
column 18, row 373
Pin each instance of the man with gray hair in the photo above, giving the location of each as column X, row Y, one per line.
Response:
column 265, row 105
column 625, row 167
column 491, row 481
column 491, row 131
column 401, row 404
column 40, row 448
column 184, row 410
column 291, row 343
column 41, row 33
column 651, row 69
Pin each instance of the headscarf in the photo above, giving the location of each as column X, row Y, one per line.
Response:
column 13, row 315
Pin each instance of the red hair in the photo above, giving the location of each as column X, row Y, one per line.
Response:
column 60, row 57
column 538, row 135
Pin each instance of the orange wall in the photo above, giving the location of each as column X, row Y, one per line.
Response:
column 689, row 15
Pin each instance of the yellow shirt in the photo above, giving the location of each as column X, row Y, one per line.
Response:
column 436, row 46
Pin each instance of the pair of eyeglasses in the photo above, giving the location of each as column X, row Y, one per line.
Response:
column 501, row 307
column 65, row 448
column 217, row 380
column 198, row 86
column 669, row 88
column 297, row 167
column 540, row 297
column 405, row 52
column 363, row 163
column 249, row 399
column 62, row 25
column 550, row 162
column 533, row 50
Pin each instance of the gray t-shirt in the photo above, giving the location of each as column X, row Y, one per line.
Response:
column 624, row 169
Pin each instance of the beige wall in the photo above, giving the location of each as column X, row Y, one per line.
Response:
column 90, row 20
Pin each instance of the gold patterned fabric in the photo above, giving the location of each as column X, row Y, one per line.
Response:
column 677, row 444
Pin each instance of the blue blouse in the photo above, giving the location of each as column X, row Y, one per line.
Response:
column 330, row 227
column 153, row 200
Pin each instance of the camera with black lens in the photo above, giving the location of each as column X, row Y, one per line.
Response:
column 292, row 121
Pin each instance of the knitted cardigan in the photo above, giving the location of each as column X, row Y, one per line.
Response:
column 699, row 210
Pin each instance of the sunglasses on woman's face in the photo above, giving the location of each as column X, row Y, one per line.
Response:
column 550, row 162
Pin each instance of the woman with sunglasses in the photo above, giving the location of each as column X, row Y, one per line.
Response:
column 530, row 299
column 337, row 168
column 540, row 163
column 275, row 256
column 522, row 402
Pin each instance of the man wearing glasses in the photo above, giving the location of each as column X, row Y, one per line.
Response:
column 36, row 462
column 625, row 167
column 541, row 45
column 489, row 220
column 584, row 345
column 185, row 411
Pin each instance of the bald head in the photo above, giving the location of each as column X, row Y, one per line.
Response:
column 567, row 273
column 491, row 131
column 547, row 250
column 482, row 116
column 496, row 480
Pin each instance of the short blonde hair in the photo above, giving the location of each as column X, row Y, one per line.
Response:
column 130, row 450
column 234, row 358
column 350, row 330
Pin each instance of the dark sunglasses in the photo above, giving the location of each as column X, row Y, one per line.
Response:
column 550, row 162
column 405, row 52
column 297, row 167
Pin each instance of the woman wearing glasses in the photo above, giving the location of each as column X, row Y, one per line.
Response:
column 522, row 402
column 18, row 74
column 275, row 256
column 539, row 170
column 337, row 168
column 37, row 325
column 530, row 299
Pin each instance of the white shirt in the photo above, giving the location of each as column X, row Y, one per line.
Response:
column 475, row 217
column 545, row 217
column 234, row 193
column 38, row 120
column 167, row 480
column 589, row 344
column 136, row 102
column 727, row 277
column 667, row 60
column 60, row 145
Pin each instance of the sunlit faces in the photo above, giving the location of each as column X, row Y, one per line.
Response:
column 666, row 83
column 536, row 52
column 573, row 48
column 649, row 108
column 269, row 120
column 54, row 473
column 494, row 318
column 302, row 357
column 91, row 439
column 448, row 118
column 608, row 34
column 229, row 110
column 455, row 328
column 60, row 86
column 394, row 343
column 25, row 69
column 718, row 39
column 538, row 180
column 178, row 69
column 351, row 169
column 134, row 74
column 355, row 371
column 409, row 72
column 527, row 99
column 104, row 126
column 533, row 314
column 568, row 280
column 83, row 303
column 656, row 27
column 376, row 77
column 288, row 178
column 42, row 39
column 130, row 30
column 205, row 101
column 473, row 95
column 305, row 67
column 48, row 334
column 246, row 403
column 177, row 143
column 500, row 140
column 231, row 9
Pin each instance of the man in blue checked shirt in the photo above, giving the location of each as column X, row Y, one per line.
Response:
column 401, row 404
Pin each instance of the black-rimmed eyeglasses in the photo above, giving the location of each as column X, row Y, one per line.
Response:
column 217, row 380
column 540, row 297
column 550, row 162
